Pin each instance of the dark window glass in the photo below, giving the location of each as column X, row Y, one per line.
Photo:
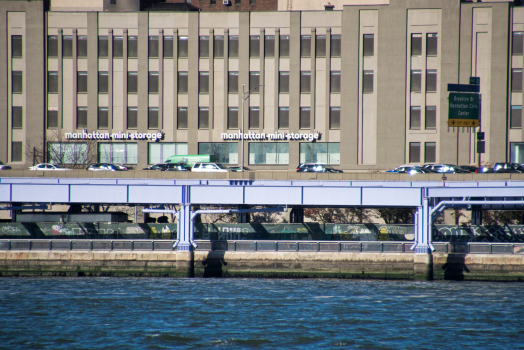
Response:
column 254, row 117
column 81, row 46
column 218, row 49
column 152, row 118
column 52, row 119
column 203, row 82
column 52, row 82
column 305, row 46
column 232, row 118
column 168, row 47
column 254, row 81
column 152, row 46
column 212, row 2
column 269, row 45
column 414, row 118
column 103, row 118
column 305, row 118
column 132, row 117
column 153, row 82
column 17, row 47
column 132, row 46
column 336, row 45
column 81, row 117
column 516, row 79
column 103, row 46
column 203, row 47
column 431, row 80
column 367, row 82
column 132, row 82
column 233, row 46
column 203, row 118
column 283, row 117
column 334, row 118
column 182, row 118
column 118, row 46
column 283, row 82
column 238, row 2
column 305, row 82
column 17, row 83
column 414, row 152
column 415, row 81
column 183, row 48
column 432, row 44
column 430, row 152
column 254, row 46
column 233, row 82
column 517, row 43
column 16, row 151
column 431, row 117
column 283, row 46
column 67, row 46
column 320, row 46
column 52, row 46
column 335, row 81
column 112, row 2
column 182, row 82
column 516, row 117
column 252, row 2
column 81, row 82
column 416, row 44
column 103, row 82
column 369, row 45
column 16, row 117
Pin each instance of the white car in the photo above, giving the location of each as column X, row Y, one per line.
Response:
column 210, row 168
column 47, row 166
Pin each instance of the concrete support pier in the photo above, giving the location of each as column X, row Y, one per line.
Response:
column 185, row 264
column 423, row 267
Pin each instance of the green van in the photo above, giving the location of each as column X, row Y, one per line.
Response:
column 192, row 159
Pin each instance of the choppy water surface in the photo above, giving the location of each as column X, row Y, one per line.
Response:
column 149, row 313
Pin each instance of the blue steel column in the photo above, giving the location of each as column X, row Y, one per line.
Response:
column 185, row 260
column 423, row 259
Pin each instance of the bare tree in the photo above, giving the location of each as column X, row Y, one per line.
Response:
column 339, row 215
column 396, row 216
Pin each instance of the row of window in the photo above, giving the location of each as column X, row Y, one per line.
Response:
column 430, row 118
column 430, row 152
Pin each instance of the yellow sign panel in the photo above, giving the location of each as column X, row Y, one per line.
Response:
column 465, row 123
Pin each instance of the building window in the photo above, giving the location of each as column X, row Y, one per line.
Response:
column 203, row 46
column 152, row 46
column 81, row 46
column 367, row 82
column 52, row 119
column 283, row 117
column 254, row 117
column 320, row 46
column 81, row 117
column 254, row 81
column 415, row 81
column 238, row 2
column 103, row 117
column 283, row 46
column 152, row 118
column 269, row 45
column 369, row 45
column 218, row 46
column 67, row 46
column 431, row 117
column 305, row 82
column 430, row 152
column 103, row 82
column 335, row 81
column 517, row 152
column 414, row 152
column 112, row 2
column 320, row 152
column 16, row 117
column 305, row 46
column 153, row 82
column 268, row 153
column 17, row 82
column 132, row 117
column 81, row 82
column 132, row 47
column 52, row 46
column 252, row 2
column 16, row 151
column 160, row 152
column 183, row 47
column 416, row 44
column 305, row 118
column 254, row 46
column 283, row 82
column 516, row 80
column 103, row 46
column 334, row 118
column 227, row 152
column 516, row 117
column 336, row 45
column 182, row 118
column 431, row 80
column 517, row 43
column 52, row 82
column 232, row 82
column 203, row 82
column 233, row 46
column 183, row 82
column 16, row 46
column 414, row 118
column 432, row 44
column 232, row 118
column 168, row 47
column 132, row 82
column 118, row 46
column 118, row 153
column 203, row 117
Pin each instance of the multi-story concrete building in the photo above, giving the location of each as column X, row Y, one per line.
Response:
column 359, row 86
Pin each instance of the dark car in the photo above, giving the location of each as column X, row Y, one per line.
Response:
column 104, row 167
column 238, row 168
column 159, row 166
column 508, row 168
column 470, row 168
column 176, row 167
column 316, row 168
column 445, row 169
column 4, row 167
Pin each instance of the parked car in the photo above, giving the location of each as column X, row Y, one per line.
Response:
column 176, row 167
column 508, row 168
column 238, row 168
column 103, row 167
column 47, row 166
column 210, row 167
column 4, row 167
column 316, row 168
column 159, row 166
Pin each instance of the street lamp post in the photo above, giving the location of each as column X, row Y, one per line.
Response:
column 244, row 98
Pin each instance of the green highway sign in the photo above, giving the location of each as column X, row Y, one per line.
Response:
column 463, row 110
column 474, row 80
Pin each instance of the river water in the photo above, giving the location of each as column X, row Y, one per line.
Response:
column 161, row 313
